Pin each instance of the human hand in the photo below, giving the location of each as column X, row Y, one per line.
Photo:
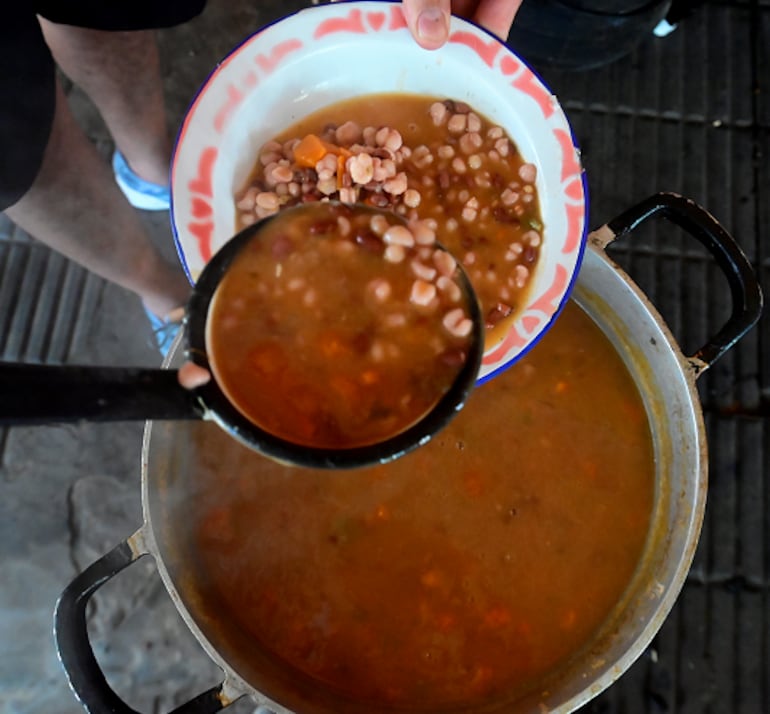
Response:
column 428, row 20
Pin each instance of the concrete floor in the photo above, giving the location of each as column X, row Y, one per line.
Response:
column 70, row 493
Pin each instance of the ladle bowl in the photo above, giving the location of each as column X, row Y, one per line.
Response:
column 42, row 394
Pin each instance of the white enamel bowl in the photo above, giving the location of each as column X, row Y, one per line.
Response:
column 324, row 54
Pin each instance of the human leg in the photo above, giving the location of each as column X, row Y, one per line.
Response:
column 75, row 207
column 120, row 72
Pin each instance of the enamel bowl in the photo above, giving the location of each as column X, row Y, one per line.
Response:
column 324, row 54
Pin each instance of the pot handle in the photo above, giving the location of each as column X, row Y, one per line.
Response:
column 83, row 672
column 743, row 281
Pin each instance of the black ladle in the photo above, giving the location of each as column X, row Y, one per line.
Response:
column 45, row 394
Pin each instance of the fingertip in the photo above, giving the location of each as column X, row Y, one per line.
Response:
column 191, row 376
column 431, row 28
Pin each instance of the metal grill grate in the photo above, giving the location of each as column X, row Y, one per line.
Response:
column 689, row 113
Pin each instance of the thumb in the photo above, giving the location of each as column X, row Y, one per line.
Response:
column 428, row 21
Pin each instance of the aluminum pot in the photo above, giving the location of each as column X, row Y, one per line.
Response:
column 666, row 379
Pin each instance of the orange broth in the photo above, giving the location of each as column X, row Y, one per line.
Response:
column 466, row 572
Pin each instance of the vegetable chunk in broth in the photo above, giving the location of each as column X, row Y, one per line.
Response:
column 465, row 574
column 427, row 158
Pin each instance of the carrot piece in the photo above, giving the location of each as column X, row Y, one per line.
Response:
column 310, row 151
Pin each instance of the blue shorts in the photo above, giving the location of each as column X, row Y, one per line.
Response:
column 27, row 71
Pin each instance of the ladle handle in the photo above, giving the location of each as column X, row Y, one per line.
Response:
column 44, row 394
column 83, row 672
column 743, row 281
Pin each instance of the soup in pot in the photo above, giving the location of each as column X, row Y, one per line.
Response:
column 465, row 574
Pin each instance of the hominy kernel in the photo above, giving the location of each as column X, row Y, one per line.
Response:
column 268, row 200
column 394, row 319
column 424, row 233
column 470, row 142
column 397, row 185
column 390, row 168
column 247, row 200
column 438, row 113
column 457, row 324
column 260, row 212
column 449, row 287
column 474, row 122
column 377, row 351
column 422, row 271
column 469, row 258
column 521, row 275
column 379, row 289
column 344, row 225
column 282, row 174
column 310, row 298
column 412, row 198
column 474, row 162
column 495, row 132
column 422, row 293
column 379, row 173
column 445, row 262
column 348, row 133
column 528, row 173
column 457, row 123
column 446, row 151
column 379, row 224
column 452, row 225
column 327, row 186
column 398, row 235
column 348, row 194
column 361, row 168
column 394, row 253
column 532, row 237
column 503, row 147
column 458, row 165
column 470, row 209
column 393, row 140
column 422, row 157
column 508, row 197
column 270, row 157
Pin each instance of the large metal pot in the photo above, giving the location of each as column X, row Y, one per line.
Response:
column 667, row 380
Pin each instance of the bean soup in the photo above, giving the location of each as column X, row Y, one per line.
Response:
column 437, row 160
